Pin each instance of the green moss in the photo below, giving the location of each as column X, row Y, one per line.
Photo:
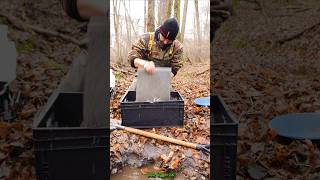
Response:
column 225, row 27
column 3, row 20
column 291, row 2
column 117, row 74
column 26, row 46
column 235, row 5
column 50, row 64
column 240, row 42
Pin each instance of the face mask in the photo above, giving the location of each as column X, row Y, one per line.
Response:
column 164, row 46
column 161, row 44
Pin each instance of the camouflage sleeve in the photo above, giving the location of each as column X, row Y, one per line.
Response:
column 220, row 10
column 176, row 62
column 138, row 49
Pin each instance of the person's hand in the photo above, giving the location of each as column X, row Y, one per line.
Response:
column 149, row 67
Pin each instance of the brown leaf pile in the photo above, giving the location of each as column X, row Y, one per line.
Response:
column 260, row 79
column 168, row 157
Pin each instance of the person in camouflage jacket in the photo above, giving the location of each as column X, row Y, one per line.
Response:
column 159, row 48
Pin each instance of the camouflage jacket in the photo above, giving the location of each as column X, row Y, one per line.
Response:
column 150, row 50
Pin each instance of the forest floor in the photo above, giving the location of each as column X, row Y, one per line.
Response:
column 43, row 60
column 192, row 81
column 266, row 63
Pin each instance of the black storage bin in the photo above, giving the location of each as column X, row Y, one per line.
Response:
column 63, row 149
column 152, row 114
column 224, row 136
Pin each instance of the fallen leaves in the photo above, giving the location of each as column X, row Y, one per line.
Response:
column 196, row 127
column 4, row 130
column 165, row 158
column 256, row 171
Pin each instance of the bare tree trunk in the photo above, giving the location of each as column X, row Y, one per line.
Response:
column 195, row 55
column 176, row 8
column 162, row 11
column 128, row 30
column 150, row 23
column 198, row 27
column 184, row 17
column 116, row 29
column 145, row 15
column 207, row 27
column 169, row 8
column 159, row 16
column 131, row 21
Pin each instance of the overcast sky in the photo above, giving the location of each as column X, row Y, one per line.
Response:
column 136, row 12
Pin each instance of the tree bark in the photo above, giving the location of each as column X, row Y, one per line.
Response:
column 176, row 8
column 161, row 12
column 128, row 32
column 198, row 27
column 150, row 23
column 145, row 15
column 169, row 9
column 116, row 29
column 184, row 17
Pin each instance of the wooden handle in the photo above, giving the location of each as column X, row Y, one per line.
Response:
column 160, row 137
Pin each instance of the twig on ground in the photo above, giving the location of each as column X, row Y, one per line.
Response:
column 27, row 27
column 296, row 35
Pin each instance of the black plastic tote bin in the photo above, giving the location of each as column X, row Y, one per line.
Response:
column 63, row 149
column 224, row 134
column 152, row 114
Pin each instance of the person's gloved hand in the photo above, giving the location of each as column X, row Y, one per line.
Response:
column 149, row 67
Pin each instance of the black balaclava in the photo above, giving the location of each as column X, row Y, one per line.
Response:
column 157, row 38
column 169, row 29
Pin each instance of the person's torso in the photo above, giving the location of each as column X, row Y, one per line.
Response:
column 161, row 58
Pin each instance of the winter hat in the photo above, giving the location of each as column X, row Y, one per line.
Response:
column 170, row 28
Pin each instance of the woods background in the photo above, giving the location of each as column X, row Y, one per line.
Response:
column 129, row 19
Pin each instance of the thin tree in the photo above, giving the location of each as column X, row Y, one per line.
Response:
column 161, row 12
column 150, row 22
column 176, row 8
column 116, row 29
column 128, row 39
column 169, row 8
column 198, row 26
column 145, row 15
column 184, row 17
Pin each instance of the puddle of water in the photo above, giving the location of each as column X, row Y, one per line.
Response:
column 128, row 173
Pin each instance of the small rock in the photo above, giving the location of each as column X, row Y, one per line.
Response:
column 2, row 156
column 4, row 170
column 189, row 153
column 114, row 171
column 256, row 171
